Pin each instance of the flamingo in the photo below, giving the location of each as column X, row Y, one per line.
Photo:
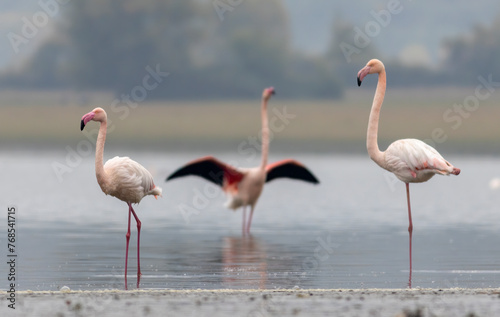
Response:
column 244, row 185
column 122, row 178
column 411, row 160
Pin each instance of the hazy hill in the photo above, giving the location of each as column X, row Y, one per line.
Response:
column 12, row 14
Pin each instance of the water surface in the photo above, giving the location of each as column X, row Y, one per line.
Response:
column 348, row 232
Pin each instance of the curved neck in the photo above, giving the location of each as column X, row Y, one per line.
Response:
column 265, row 134
column 99, row 152
column 372, row 133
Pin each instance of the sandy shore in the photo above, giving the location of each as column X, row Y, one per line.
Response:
column 367, row 302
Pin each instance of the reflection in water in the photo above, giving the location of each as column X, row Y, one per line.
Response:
column 244, row 262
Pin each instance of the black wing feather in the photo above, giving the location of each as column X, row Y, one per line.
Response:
column 209, row 170
column 293, row 171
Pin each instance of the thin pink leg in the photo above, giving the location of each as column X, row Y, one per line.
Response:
column 139, row 224
column 127, row 236
column 243, row 227
column 410, row 227
column 250, row 220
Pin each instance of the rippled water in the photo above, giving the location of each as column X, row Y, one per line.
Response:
column 347, row 232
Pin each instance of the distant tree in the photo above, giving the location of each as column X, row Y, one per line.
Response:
column 346, row 58
column 40, row 72
column 254, row 41
column 474, row 54
column 345, row 50
column 111, row 42
column 343, row 55
column 107, row 44
column 258, row 40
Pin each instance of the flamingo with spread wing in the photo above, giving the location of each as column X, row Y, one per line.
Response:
column 244, row 185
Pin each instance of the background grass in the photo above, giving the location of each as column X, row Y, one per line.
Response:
column 53, row 120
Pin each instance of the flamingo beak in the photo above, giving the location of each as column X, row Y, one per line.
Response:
column 362, row 74
column 85, row 119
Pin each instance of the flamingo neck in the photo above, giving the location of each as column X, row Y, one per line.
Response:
column 265, row 134
column 372, row 133
column 99, row 153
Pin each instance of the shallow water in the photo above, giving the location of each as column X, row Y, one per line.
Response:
column 348, row 232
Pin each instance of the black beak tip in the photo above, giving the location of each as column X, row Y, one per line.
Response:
column 274, row 92
column 359, row 82
column 82, row 125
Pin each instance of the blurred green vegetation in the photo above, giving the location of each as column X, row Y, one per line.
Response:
column 106, row 45
column 474, row 53
column 464, row 58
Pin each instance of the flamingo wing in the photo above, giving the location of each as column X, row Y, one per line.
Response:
column 289, row 169
column 129, row 180
column 211, row 169
column 414, row 155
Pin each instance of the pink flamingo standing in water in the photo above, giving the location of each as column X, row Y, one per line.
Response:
column 122, row 178
column 244, row 185
column 411, row 160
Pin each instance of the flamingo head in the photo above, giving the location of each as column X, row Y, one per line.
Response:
column 373, row 66
column 98, row 114
column 267, row 93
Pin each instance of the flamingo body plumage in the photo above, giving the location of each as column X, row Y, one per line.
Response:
column 123, row 178
column 411, row 160
column 244, row 185
column 128, row 180
column 247, row 191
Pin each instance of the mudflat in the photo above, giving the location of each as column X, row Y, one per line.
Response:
column 281, row 302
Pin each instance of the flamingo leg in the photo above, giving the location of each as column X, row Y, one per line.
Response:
column 127, row 237
column 250, row 219
column 243, row 227
column 139, row 224
column 410, row 228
